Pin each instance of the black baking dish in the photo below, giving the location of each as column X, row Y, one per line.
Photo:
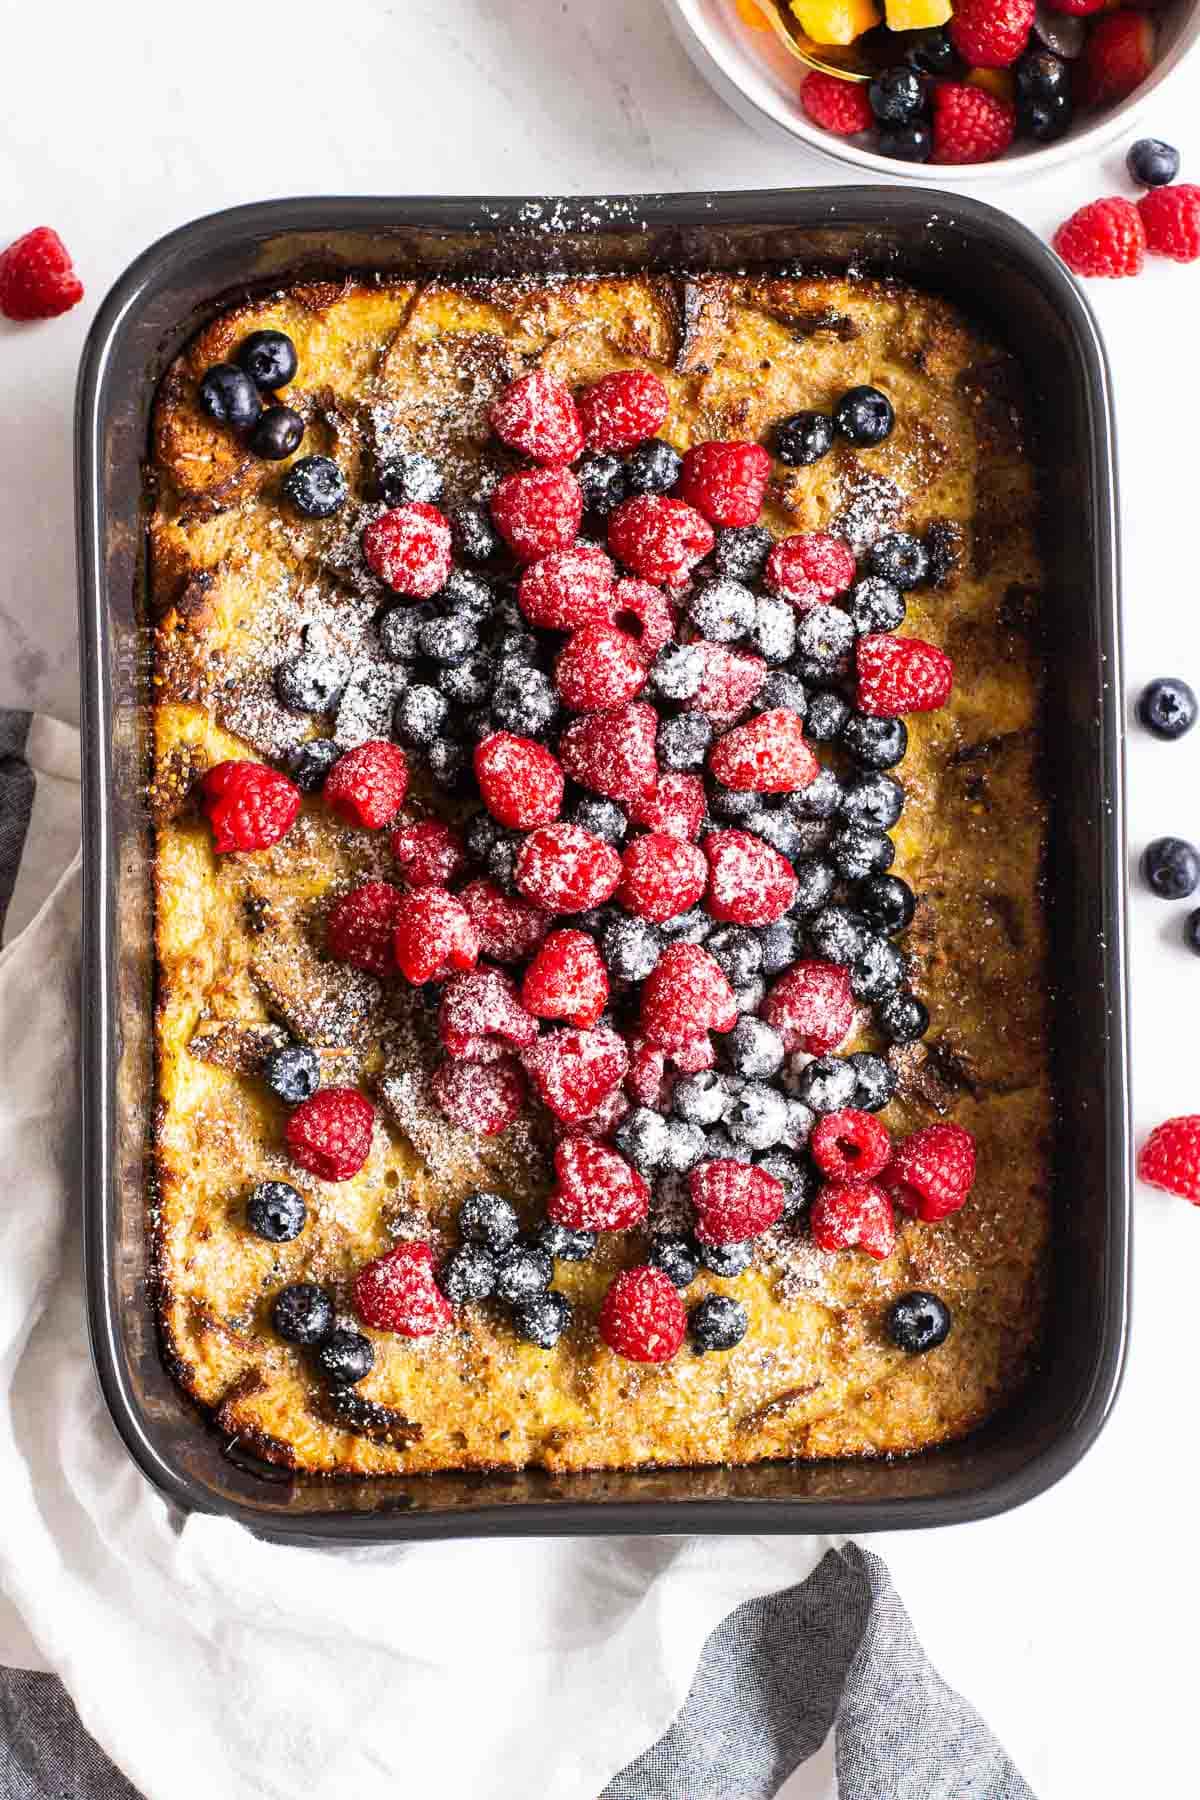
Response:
column 1004, row 277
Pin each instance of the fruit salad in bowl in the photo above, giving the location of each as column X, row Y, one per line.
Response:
column 892, row 85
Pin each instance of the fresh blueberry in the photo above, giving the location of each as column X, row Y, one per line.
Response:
column 1167, row 707
column 887, row 902
column 683, row 742
column 737, row 804
column 804, row 438
column 820, row 799
column 501, row 859
column 754, row 1050
column 469, row 1273
column 524, row 700
column 677, row 671
column 447, row 764
column 399, row 631
column 837, row 934
column 275, row 1211
column 900, row 558
column 1191, row 931
column 450, row 639
column 783, row 689
column 726, row 1259
column 686, row 1145
column 542, row 1319
column 876, row 1081
column 800, row 1122
column 641, row 1137
column 878, row 971
column 722, row 611
column 907, row 143
column 897, row 95
column 564, row 1244
column 277, row 433
column 652, row 467
column 310, row 763
column 876, row 800
column 718, row 1322
column 702, row 1099
column 676, row 1257
column 293, row 1073
column 797, row 1177
column 489, row 1219
column 780, row 943
column 311, row 681
column 603, row 818
column 346, row 1357
column 1045, row 120
column 468, row 596
column 749, row 995
column 736, row 951
column 468, row 684
column 856, row 851
column 824, row 639
column 741, row 551
column 316, row 487
column 1040, row 75
column 1171, row 868
column 876, row 605
column 523, row 1271
column 773, row 629
column 690, row 927
column 302, row 1313
column 269, row 358
column 929, row 50
column 632, row 947
column 228, row 395
column 779, row 828
column 472, row 533
column 421, row 713
column 827, row 1084
column 875, row 743
column 918, row 1322
column 408, row 477
column 602, row 478
column 1151, row 163
column 902, row 1018
column 864, row 417
column 758, row 1116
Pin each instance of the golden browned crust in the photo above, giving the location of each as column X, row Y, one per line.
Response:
column 239, row 938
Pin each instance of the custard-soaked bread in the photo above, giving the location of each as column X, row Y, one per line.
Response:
column 242, row 581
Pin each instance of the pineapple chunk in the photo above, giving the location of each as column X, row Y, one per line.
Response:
column 915, row 15
column 997, row 82
column 835, row 21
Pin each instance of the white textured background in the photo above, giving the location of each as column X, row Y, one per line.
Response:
column 1071, row 1622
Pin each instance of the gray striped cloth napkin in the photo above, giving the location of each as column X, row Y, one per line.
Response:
column 834, row 1654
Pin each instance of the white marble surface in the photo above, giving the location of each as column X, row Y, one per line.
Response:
column 1069, row 1622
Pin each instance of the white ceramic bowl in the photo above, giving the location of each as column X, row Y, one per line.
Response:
column 756, row 76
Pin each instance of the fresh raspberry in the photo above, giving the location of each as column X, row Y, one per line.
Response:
column 970, row 125
column 733, row 1201
column 659, row 538
column 1117, row 57
column 811, row 1006
column 564, row 869
column 575, row 1071
column 430, row 854
column 595, row 1189
column 508, row 928
column 249, row 805
column 1171, row 221
column 330, row 1133
column 725, row 481
column 932, row 1172
column 678, row 806
column 360, row 927
column 537, row 511
column 397, row 1292
column 433, row 935
column 614, row 752
column 521, row 783
column 537, row 415
column 853, row 1215
column 1106, row 237
column 646, row 1079
column 621, row 409
column 898, row 675
column 410, row 548
column 685, row 996
column 644, row 611
column 37, row 280
column 850, row 1145
column 749, row 883
column 566, row 980
column 729, row 683
column 599, row 1124
column 479, row 1016
column 810, row 568
column 991, row 34
column 642, row 1317
column 483, row 1097
column 1170, row 1157
column 661, row 876
column 695, row 1055
column 767, row 755
column 835, row 105
column 599, row 667
column 367, row 786
column 568, row 589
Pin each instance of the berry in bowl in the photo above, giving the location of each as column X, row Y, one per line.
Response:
column 963, row 83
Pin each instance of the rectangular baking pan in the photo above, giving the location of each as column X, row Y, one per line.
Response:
column 1004, row 278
